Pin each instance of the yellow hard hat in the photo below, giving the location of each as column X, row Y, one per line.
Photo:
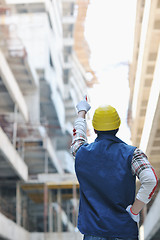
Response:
column 106, row 118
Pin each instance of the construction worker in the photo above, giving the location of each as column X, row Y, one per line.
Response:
column 106, row 170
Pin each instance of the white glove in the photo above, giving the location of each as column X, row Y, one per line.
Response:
column 135, row 217
column 83, row 106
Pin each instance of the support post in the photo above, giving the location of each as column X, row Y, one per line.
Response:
column 46, row 162
column 68, row 213
column 50, row 214
column 74, row 215
column 55, row 220
column 45, row 207
column 24, row 213
column 59, row 224
column 18, row 204
column 15, row 126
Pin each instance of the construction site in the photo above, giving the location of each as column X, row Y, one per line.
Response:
column 44, row 73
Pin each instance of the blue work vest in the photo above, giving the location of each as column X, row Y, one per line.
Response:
column 107, row 187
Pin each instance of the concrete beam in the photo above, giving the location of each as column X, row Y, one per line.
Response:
column 12, row 86
column 52, row 154
column 10, row 230
column 12, row 156
column 153, row 111
column 152, row 221
column 55, row 179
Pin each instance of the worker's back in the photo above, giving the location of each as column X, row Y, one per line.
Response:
column 107, row 187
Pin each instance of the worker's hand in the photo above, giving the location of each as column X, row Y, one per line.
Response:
column 135, row 217
column 83, row 106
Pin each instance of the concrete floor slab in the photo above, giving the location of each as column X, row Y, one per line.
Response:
column 57, row 236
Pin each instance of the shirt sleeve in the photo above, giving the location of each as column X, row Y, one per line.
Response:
column 79, row 135
column 142, row 168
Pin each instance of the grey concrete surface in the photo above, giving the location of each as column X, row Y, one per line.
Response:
column 11, row 231
column 56, row 236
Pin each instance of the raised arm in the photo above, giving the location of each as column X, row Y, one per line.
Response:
column 80, row 127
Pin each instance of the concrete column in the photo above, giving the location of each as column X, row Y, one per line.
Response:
column 33, row 100
column 46, row 163
column 68, row 212
column 18, row 204
column 15, row 126
column 21, row 148
column 33, row 75
column 24, row 214
column 59, row 213
column 55, row 220
column 45, row 207
column 74, row 215
column 50, row 214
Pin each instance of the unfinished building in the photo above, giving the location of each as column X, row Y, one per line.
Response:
column 41, row 81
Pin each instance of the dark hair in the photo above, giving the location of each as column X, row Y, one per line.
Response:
column 113, row 132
